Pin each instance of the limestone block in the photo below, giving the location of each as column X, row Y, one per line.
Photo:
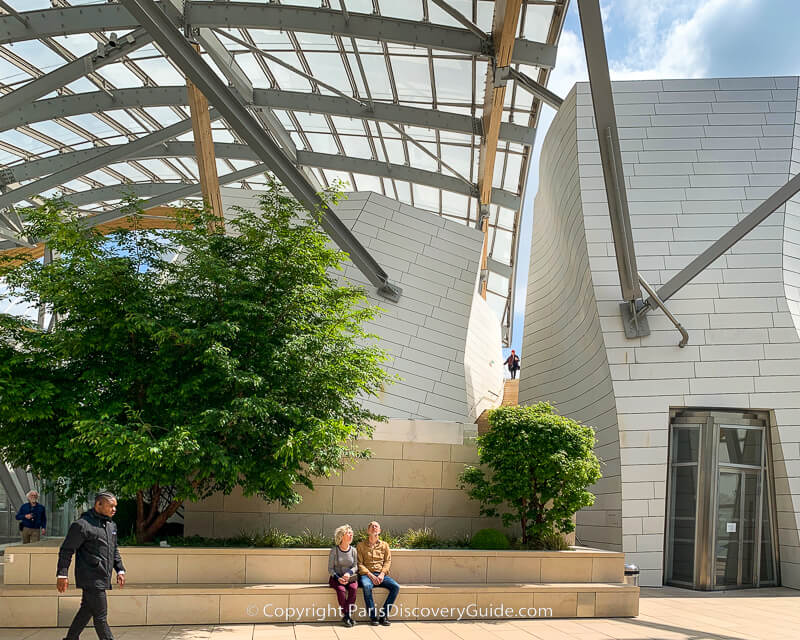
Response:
column 408, row 502
column 43, row 569
column 414, row 473
column 278, row 568
column 383, row 449
column 358, row 500
column 237, row 502
column 123, row 610
column 425, row 451
column 436, row 606
column 15, row 609
column 564, row 604
column 183, row 609
column 503, row 604
column 256, row 608
column 458, row 569
column 195, row 568
column 411, row 568
column 150, row 568
column 608, row 570
column 566, row 569
column 198, row 523
column 450, row 473
column 228, row 525
column 214, row 502
column 454, row 502
column 17, row 567
column 296, row 523
column 373, row 472
column 513, row 569
column 320, row 500
column 586, row 604
column 616, row 603
column 467, row 453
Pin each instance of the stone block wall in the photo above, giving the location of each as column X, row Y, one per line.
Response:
column 403, row 485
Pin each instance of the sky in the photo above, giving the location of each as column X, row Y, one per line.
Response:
column 654, row 39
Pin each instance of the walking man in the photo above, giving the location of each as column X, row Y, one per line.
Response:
column 374, row 560
column 32, row 518
column 93, row 540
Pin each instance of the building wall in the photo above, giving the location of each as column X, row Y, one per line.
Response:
column 698, row 156
column 565, row 360
column 483, row 359
column 435, row 261
column 403, row 485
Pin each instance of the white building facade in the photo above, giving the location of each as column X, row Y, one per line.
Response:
column 698, row 156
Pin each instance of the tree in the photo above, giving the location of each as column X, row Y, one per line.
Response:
column 240, row 363
column 539, row 465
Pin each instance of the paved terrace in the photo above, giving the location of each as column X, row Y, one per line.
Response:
column 666, row 614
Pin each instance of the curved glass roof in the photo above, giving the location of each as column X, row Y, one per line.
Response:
column 383, row 95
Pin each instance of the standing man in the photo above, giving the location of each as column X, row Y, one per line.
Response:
column 374, row 560
column 93, row 540
column 512, row 362
column 32, row 518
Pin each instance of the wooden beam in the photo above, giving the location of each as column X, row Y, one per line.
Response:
column 504, row 28
column 204, row 150
column 155, row 218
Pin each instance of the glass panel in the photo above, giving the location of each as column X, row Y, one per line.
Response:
column 728, row 522
column 685, row 443
column 767, row 573
column 683, row 522
column 739, row 446
column 749, row 526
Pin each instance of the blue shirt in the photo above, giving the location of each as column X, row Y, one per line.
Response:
column 39, row 520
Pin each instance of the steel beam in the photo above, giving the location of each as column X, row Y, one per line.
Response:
column 229, row 150
column 156, row 194
column 460, row 17
column 96, row 101
column 108, row 155
column 176, row 47
column 736, row 233
column 530, row 85
column 610, row 155
column 105, row 17
column 61, row 77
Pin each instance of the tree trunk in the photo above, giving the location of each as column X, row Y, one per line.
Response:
column 148, row 524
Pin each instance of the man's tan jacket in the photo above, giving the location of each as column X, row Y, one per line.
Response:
column 373, row 559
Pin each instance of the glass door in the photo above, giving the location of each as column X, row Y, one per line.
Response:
column 720, row 516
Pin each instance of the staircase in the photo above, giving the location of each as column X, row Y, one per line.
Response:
column 510, row 396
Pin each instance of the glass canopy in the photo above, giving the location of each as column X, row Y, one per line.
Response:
column 384, row 95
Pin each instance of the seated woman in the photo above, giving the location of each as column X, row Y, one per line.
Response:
column 343, row 570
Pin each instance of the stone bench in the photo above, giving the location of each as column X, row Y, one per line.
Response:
column 160, row 604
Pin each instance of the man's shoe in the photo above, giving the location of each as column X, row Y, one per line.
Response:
column 384, row 622
column 373, row 622
column 351, row 622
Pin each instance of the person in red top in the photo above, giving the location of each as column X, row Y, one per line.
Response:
column 512, row 362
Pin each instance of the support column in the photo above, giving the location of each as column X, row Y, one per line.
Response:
column 204, row 150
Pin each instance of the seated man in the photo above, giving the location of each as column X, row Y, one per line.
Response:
column 374, row 560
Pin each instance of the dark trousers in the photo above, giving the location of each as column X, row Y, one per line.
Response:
column 346, row 595
column 367, row 586
column 93, row 605
column 513, row 372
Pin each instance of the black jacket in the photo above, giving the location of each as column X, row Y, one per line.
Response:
column 93, row 540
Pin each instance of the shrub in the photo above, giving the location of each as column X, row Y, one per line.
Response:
column 313, row 540
column 539, row 467
column 421, row 539
column 489, row 539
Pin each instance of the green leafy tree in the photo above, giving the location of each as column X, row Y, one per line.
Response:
column 538, row 466
column 241, row 362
